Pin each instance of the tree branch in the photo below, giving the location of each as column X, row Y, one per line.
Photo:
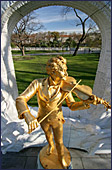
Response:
column 77, row 15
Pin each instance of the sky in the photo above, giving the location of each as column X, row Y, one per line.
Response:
column 53, row 20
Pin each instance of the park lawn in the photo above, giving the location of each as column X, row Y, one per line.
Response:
column 82, row 66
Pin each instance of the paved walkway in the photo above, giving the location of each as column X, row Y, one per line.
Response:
column 56, row 53
column 27, row 159
column 44, row 53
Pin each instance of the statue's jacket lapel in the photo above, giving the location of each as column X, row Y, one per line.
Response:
column 45, row 91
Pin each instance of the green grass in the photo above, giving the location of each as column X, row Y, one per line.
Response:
column 82, row 66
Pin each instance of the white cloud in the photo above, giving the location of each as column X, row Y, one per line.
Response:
column 67, row 30
column 49, row 20
column 59, row 18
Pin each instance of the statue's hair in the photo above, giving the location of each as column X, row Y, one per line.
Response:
column 56, row 63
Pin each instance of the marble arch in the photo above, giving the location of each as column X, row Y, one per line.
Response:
column 13, row 11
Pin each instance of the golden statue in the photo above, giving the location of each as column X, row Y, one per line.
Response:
column 51, row 91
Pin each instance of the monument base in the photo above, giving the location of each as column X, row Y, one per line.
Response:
column 51, row 161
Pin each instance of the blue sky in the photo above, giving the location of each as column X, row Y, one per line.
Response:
column 53, row 20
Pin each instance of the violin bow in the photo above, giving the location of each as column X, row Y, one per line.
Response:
column 98, row 101
column 59, row 102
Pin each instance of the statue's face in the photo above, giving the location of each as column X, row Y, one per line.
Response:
column 59, row 74
column 57, row 68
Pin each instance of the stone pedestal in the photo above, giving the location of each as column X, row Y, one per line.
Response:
column 51, row 161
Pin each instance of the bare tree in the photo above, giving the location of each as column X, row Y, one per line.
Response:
column 84, row 34
column 83, row 22
column 23, row 30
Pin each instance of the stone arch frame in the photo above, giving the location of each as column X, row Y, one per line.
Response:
column 13, row 11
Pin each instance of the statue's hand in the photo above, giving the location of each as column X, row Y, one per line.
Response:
column 89, row 101
column 31, row 122
column 33, row 125
column 96, row 100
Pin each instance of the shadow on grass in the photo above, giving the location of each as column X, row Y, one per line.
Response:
column 30, row 72
column 83, row 77
column 83, row 69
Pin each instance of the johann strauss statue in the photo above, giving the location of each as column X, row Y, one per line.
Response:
column 50, row 92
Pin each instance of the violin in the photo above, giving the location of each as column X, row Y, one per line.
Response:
column 83, row 92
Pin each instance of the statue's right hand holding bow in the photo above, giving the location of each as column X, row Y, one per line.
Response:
column 31, row 121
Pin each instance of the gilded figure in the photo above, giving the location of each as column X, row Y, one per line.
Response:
column 50, row 92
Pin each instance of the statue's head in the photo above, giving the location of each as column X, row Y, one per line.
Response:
column 56, row 66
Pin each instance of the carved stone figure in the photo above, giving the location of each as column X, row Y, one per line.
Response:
column 51, row 91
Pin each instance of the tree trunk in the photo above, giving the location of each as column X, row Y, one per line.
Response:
column 76, row 50
column 78, row 45
column 23, row 51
